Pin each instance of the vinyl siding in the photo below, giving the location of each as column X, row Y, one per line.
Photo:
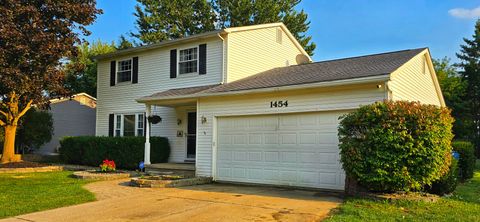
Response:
column 254, row 51
column 153, row 77
column 328, row 99
column 414, row 81
column 70, row 118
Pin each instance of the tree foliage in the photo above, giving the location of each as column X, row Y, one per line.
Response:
column 36, row 129
column 159, row 20
column 454, row 92
column 470, row 72
column 34, row 36
column 396, row 145
column 81, row 70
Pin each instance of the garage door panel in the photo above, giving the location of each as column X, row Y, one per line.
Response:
column 293, row 149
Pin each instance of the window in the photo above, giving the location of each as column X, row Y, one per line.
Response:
column 129, row 124
column 124, row 73
column 188, row 61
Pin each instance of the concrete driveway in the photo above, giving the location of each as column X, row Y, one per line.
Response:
column 214, row 202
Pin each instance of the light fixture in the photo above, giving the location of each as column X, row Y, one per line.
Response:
column 203, row 119
column 379, row 86
column 179, row 121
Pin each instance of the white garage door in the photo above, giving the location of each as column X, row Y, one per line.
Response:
column 289, row 149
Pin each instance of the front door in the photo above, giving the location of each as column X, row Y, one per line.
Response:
column 191, row 135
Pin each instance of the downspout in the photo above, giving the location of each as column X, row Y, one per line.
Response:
column 388, row 93
column 224, row 54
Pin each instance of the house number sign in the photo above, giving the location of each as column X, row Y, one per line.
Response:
column 279, row 104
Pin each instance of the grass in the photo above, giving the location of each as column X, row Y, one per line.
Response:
column 26, row 193
column 463, row 205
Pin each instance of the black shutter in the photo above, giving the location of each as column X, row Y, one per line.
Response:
column 203, row 59
column 110, row 124
column 135, row 70
column 113, row 66
column 173, row 63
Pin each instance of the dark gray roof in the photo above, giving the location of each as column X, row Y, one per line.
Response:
column 178, row 92
column 325, row 71
column 339, row 69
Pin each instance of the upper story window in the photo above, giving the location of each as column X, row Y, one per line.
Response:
column 188, row 61
column 124, row 73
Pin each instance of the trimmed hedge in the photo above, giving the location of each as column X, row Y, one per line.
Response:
column 127, row 152
column 467, row 158
column 448, row 182
column 396, row 145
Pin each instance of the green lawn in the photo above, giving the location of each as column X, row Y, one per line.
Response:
column 25, row 193
column 463, row 205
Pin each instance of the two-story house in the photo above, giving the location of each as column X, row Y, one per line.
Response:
column 246, row 104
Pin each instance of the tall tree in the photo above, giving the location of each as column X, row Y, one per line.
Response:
column 81, row 69
column 470, row 64
column 123, row 43
column 34, row 36
column 159, row 20
column 454, row 91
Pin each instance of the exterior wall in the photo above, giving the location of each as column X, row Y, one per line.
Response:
column 254, row 51
column 70, row 118
column 153, row 77
column 415, row 82
column 312, row 100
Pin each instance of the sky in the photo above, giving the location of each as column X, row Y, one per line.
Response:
column 348, row 27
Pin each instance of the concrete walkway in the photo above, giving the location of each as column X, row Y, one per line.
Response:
column 214, row 202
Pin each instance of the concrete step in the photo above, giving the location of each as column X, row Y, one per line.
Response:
column 183, row 169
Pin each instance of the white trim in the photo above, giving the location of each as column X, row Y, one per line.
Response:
column 189, row 74
column 187, row 111
column 117, row 71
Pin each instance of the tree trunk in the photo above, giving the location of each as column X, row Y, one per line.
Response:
column 9, row 145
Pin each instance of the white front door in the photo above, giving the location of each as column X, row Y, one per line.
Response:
column 288, row 149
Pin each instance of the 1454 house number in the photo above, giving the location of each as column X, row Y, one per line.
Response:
column 279, row 104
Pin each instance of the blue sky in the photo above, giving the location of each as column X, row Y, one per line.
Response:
column 349, row 27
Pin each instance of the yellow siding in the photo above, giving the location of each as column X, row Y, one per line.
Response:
column 414, row 81
column 254, row 51
column 299, row 101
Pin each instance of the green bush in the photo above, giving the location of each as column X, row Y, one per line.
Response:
column 396, row 146
column 448, row 182
column 127, row 152
column 466, row 163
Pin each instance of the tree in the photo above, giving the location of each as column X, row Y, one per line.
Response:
column 35, row 129
column 35, row 35
column 454, row 91
column 81, row 69
column 159, row 20
column 470, row 72
column 123, row 43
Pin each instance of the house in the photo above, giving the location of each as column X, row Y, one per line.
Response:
column 247, row 104
column 73, row 116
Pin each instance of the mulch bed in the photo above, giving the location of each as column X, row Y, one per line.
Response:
column 23, row 164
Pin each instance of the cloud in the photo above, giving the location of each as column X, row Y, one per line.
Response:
column 465, row 13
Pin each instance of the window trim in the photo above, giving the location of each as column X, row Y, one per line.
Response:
column 122, row 123
column 118, row 70
column 178, row 61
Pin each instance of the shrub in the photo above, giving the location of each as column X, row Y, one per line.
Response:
column 396, row 145
column 127, row 152
column 466, row 164
column 448, row 182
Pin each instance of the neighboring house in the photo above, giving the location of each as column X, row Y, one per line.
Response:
column 246, row 105
column 74, row 116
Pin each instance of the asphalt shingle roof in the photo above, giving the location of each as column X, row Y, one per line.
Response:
column 324, row 71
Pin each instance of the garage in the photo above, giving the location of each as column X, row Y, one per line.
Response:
column 281, row 149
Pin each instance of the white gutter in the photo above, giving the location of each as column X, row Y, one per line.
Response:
column 224, row 49
column 380, row 78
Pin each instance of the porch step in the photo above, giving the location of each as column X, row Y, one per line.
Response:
column 183, row 169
